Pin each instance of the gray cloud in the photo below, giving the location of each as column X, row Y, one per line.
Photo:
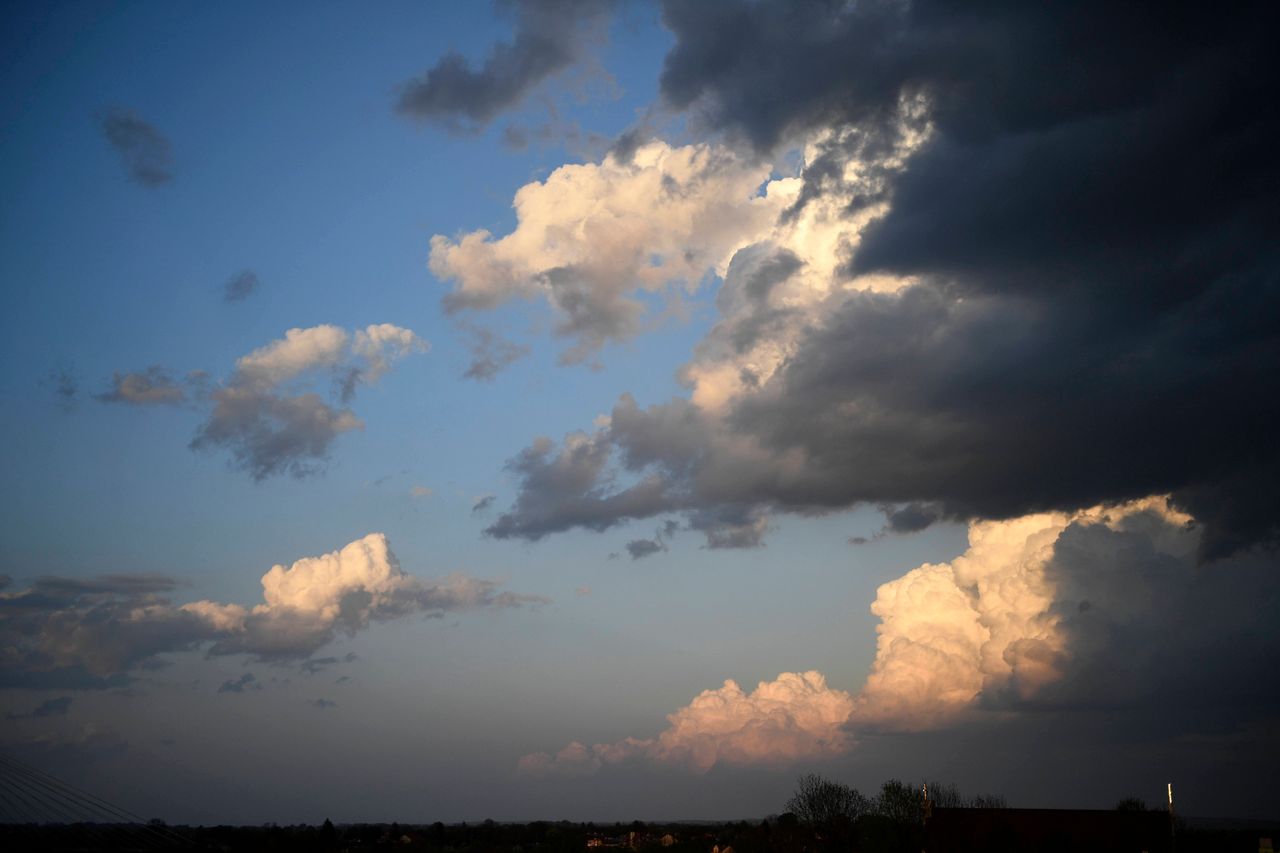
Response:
column 270, row 435
column 640, row 548
column 271, row 427
column 262, row 413
column 87, row 633
column 53, row 707
column 64, row 384
column 1174, row 646
column 567, row 490
column 245, row 682
column 483, row 503
column 908, row 518
column 550, row 36
column 148, row 387
column 76, row 633
column 731, row 526
column 322, row 704
column 240, row 286
column 49, row 708
column 490, row 354
column 312, row 666
column 144, row 152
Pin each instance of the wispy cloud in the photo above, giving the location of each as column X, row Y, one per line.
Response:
column 148, row 387
column 144, row 152
column 550, row 37
column 240, row 286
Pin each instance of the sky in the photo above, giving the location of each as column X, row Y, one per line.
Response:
column 573, row 409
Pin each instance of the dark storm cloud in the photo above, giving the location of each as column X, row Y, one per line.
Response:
column 322, row 704
column 908, row 518
column 148, row 387
column 550, row 36
column 240, row 286
column 483, row 503
column 1090, row 221
column 144, row 152
column 1177, row 646
column 490, row 354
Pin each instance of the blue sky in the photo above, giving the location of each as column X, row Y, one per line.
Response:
column 851, row 428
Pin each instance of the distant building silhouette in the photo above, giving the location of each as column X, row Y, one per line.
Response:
column 948, row 830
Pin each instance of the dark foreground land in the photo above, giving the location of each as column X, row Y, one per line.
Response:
column 947, row 830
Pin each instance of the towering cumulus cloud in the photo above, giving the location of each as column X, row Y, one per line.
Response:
column 1104, row 608
column 81, row 631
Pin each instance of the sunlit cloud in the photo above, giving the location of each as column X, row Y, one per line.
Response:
column 113, row 625
column 1039, row 612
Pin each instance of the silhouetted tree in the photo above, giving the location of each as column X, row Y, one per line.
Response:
column 945, row 796
column 822, row 802
column 988, row 801
column 898, row 802
column 1131, row 804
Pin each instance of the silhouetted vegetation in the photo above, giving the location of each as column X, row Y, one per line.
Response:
column 822, row 814
column 1131, row 804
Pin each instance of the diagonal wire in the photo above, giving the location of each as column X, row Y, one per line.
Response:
column 96, row 806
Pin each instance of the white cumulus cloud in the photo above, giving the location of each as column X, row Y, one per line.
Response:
column 1102, row 607
column 794, row 717
column 592, row 237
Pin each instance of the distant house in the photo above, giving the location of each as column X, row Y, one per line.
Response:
column 953, row 830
